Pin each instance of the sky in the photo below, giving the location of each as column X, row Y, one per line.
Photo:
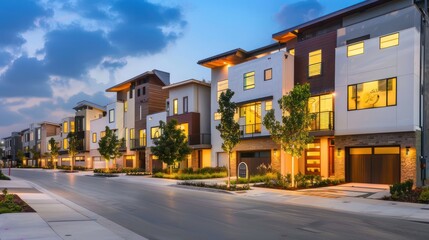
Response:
column 55, row 53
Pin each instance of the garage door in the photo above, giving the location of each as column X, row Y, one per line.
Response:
column 373, row 165
column 254, row 160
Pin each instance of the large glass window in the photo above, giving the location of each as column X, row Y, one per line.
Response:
column 132, row 134
column 252, row 118
column 94, row 137
column 389, row 40
column 355, row 49
column 175, row 106
column 380, row 93
column 155, row 132
column 65, row 143
column 65, row 127
column 72, row 126
column 185, row 128
column 126, row 106
column 111, row 115
column 322, row 107
column 142, row 137
column 222, row 86
column 249, row 80
column 315, row 63
column 268, row 105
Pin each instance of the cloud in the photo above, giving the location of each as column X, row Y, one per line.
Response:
column 8, row 117
column 71, row 52
column 296, row 13
column 97, row 98
column 26, row 77
column 18, row 17
column 5, row 58
column 113, row 64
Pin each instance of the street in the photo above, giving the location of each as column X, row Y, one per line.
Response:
column 168, row 212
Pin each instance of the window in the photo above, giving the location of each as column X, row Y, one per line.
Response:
column 94, row 137
column 65, row 127
column 389, row 40
column 138, row 92
column 268, row 74
column 217, row 116
column 31, row 136
column 132, row 134
column 185, row 128
column 96, row 159
column 222, row 86
column 292, row 51
column 49, row 147
column 126, row 106
column 252, row 118
column 38, row 134
column 144, row 90
column 355, row 49
column 380, row 93
column 102, row 134
column 65, row 143
column 111, row 115
column 322, row 106
column 167, row 108
column 175, row 106
column 249, row 80
column 268, row 105
column 185, row 104
column 142, row 137
column 140, row 112
column 315, row 63
column 71, row 126
column 79, row 159
column 155, row 132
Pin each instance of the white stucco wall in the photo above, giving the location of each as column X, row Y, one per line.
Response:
column 153, row 121
column 400, row 61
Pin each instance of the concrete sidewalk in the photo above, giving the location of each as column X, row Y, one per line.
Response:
column 55, row 218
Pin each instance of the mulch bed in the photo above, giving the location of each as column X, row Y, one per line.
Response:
column 20, row 202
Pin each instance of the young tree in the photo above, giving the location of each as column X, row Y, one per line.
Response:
column 21, row 156
column 229, row 129
column 109, row 146
column 292, row 132
column 171, row 146
column 36, row 155
column 73, row 147
column 54, row 151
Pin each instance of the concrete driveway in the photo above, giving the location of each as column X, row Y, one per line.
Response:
column 362, row 190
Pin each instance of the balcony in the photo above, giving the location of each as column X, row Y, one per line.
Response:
column 250, row 130
column 137, row 143
column 123, row 147
column 197, row 139
column 324, row 121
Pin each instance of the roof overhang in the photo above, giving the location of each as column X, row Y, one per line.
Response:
column 232, row 57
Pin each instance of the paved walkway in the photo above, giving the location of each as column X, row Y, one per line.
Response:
column 55, row 218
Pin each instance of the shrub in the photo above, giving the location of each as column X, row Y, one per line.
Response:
column 181, row 176
column 401, row 190
column 3, row 177
column 264, row 169
column 8, row 205
column 118, row 170
column 216, row 186
column 424, row 196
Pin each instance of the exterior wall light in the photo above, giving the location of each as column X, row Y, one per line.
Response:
column 338, row 152
column 275, row 152
column 407, row 150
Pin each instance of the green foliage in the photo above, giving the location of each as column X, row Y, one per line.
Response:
column 36, row 155
column 3, row 177
column 229, row 129
column 401, row 190
column 264, row 169
column 21, row 156
column 424, row 196
column 181, row 176
column 73, row 147
column 256, row 178
column 216, row 186
column 80, row 168
column 118, row 170
column 109, row 146
column 7, row 204
column 172, row 145
column 206, row 170
column 292, row 131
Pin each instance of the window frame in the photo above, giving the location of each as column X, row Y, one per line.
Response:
column 354, row 44
column 185, row 104
column 387, row 35
column 152, row 134
column 111, row 115
column 245, row 78
column 265, row 74
column 320, row 63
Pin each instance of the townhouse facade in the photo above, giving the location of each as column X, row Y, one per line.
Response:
column 189, row 103
column 366, row 68
column 12, row 145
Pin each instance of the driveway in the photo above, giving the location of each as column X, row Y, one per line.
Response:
column 362, row 190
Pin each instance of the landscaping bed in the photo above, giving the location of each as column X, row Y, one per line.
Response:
column 241, row 187
column 190, row 174
column 12, row 203
column 404, row 192
column 3, row 177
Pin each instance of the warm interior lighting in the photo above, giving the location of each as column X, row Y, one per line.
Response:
column 407, row 150
column 338, row 152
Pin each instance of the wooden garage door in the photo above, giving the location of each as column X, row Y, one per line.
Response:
column 254, row 160
column 373, row 165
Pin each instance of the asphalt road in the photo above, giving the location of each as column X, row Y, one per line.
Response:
column 169, row 212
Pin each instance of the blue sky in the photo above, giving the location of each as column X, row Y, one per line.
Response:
column 54, row 53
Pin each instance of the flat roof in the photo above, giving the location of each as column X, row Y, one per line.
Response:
column 163, row 76
column 187, row 82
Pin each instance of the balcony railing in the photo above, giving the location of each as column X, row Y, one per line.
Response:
column 324, row 121
column 196, row 139
column 250, row 130
column 137, row 143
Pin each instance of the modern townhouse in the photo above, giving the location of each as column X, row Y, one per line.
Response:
column 258, row 78
column 367, row 64
column 114, row 120
column 189, row 103
column 12, row 145
column 141, row 95
column 67, row 125
column 25, row 140
column 39, row 132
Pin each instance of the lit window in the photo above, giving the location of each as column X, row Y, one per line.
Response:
column 102, row 134
column 155, row 132
column 389, row 40
column 142, row 137
column 217, row 116
column 292, row 51
column 374, row 94
column 111, row 115
column 268, row 74
column 71, row 126
column 185, row 104
column 132, row 135
column 65, row 127
column 249, row 80
column 184, row 127
column 315, row 63
column 65, row 143
column 322, row 107
column 268, row 105
column 222, row 86
column 175, row 106
column 39, row 134
column 252, row 118
column 355, row 49
column 126, row 106
column 94, row 137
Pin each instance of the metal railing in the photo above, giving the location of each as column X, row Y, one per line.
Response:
column 250, row 130
column 324, row 121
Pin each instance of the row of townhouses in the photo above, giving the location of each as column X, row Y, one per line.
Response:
column 367, row 66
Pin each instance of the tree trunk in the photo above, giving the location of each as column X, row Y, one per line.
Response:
column 55, row 164
column 228, row 185
column 293, row 171
column 71, row 163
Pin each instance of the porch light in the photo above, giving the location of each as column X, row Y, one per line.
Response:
column 407, row 150
column 338, row 152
